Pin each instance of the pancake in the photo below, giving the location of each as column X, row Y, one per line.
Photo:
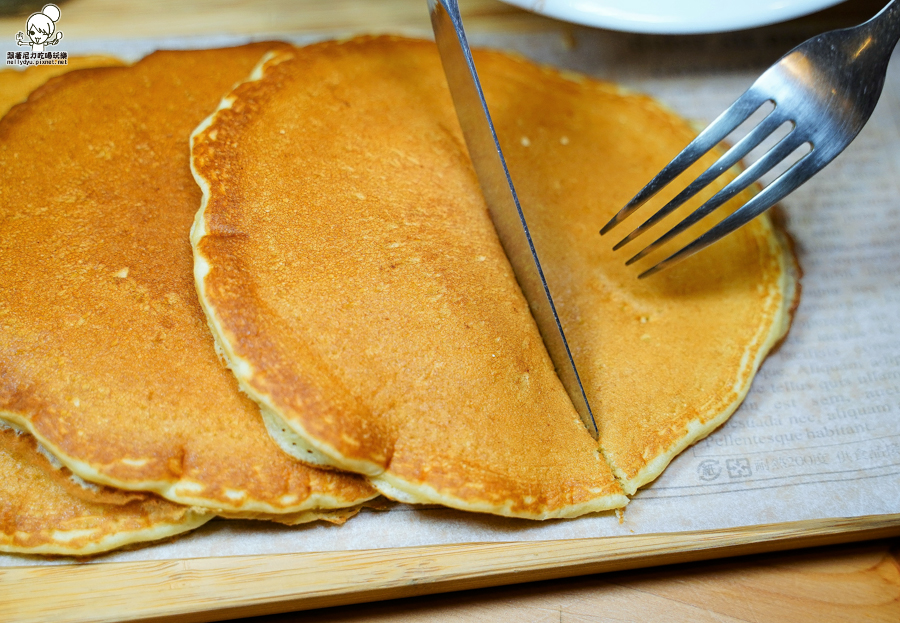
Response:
column 105, row 355
column 354, row 281
column 363, row 300
column 664, row 360
column 42, row 511
column 15, row 84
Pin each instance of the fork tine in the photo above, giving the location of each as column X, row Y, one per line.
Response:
column 759, row 168
column 723, row 125
column 728, row 160
column 786, row 183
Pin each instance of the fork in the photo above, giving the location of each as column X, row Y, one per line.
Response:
column 826, row 89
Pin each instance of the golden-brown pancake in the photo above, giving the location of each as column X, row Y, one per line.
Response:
column 664, row 360
column 16, row 84
column 105, row 355
column 354, row 280
column 43, row 512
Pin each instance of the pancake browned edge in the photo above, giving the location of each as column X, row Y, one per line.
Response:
column 42, row 511
column 104, row 355
column 664, row 360
column 351, row 275
column 16, row 84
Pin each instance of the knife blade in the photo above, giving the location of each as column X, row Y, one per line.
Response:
column 500, row 195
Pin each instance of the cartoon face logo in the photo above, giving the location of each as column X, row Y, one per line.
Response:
column 41, row 27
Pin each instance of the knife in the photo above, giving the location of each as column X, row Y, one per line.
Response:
column 500, row 195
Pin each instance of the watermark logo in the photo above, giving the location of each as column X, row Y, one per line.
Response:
column 40, row 32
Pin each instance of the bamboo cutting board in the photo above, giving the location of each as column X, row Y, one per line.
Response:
column 219, row 588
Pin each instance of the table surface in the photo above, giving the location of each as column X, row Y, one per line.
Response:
column 837, row 583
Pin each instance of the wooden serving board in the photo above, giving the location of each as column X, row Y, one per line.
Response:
column 219, row 588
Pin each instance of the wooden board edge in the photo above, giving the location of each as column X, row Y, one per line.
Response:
column 218, row 588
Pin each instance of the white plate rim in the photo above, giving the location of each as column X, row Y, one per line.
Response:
column 674, row 16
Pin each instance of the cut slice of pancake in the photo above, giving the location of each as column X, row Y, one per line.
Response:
column 104, row 354
column 353, row 278
column 16, row 84
column 42, row 511
column 667, row 359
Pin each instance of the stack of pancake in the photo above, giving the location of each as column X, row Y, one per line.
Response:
column 344, row 266
column 105, row 356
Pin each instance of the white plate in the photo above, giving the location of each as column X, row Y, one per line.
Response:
column 674, row 16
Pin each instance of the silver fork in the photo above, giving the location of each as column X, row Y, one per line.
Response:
column 826, row 88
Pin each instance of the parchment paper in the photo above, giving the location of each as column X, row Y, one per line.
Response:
column 819, row 434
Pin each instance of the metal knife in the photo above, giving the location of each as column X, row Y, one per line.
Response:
column 500, row 195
